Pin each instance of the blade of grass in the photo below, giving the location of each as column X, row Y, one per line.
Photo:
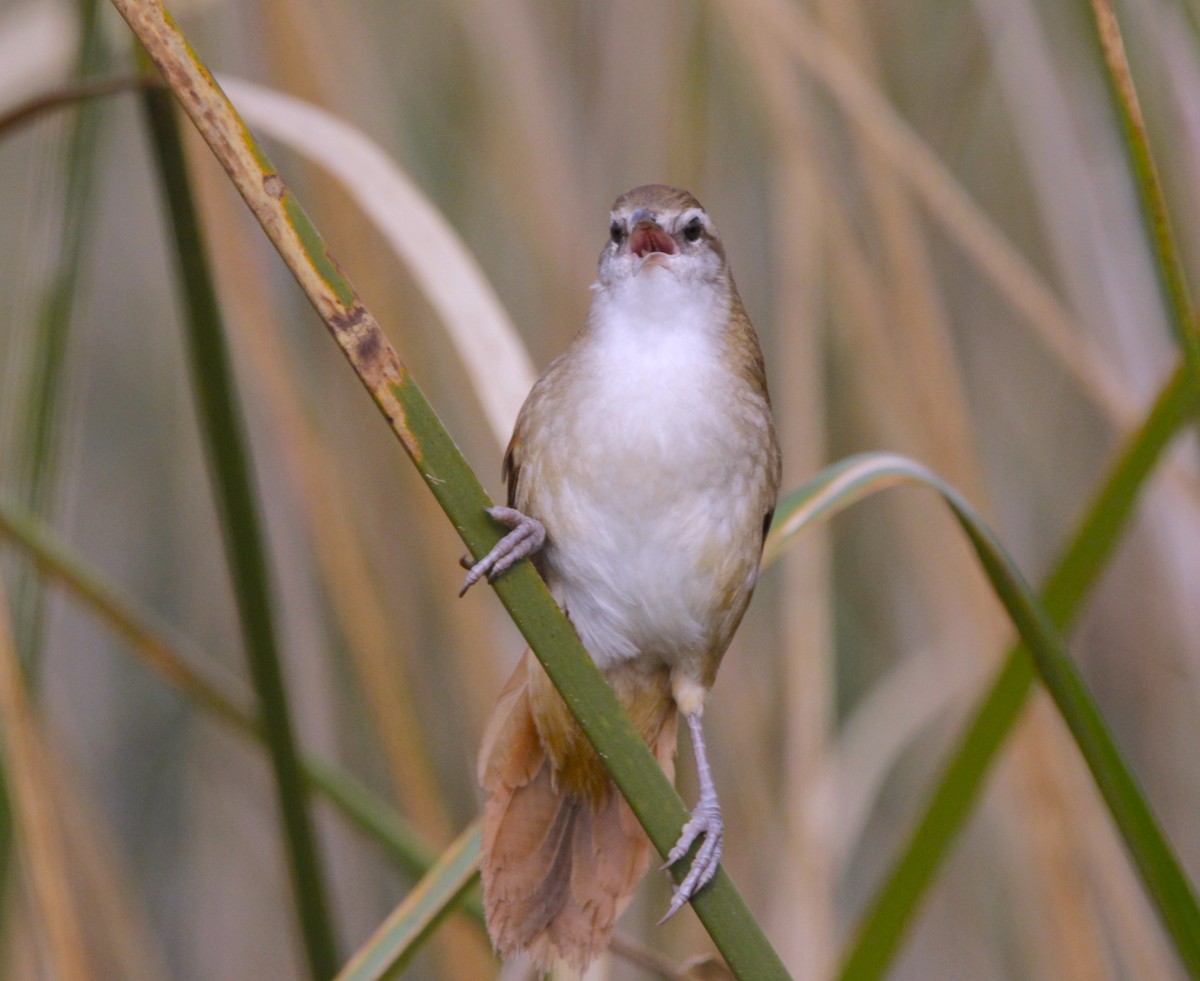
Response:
column 399, row 936
column 852, row 480
column 34, row 463
column 635, row 771
column 67, row 95
column 170, row 658
column 875, row 940
column 483, row 336
column 244, row 545
column 37, row 448
column 880, row 930
column 36, row 818
column 1168, row 263
column 167, row 657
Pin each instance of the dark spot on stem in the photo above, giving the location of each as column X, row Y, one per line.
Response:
column 349, row 320
column 368, row 346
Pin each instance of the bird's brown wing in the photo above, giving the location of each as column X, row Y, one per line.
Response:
column 511, row 471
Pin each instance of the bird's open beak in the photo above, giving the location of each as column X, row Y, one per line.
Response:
column 647, row 237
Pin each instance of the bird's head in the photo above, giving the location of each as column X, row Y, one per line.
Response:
column 657, row 229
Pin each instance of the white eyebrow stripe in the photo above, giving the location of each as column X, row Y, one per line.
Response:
column 696, row 213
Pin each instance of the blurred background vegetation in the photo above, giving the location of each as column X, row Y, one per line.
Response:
column 933, row 225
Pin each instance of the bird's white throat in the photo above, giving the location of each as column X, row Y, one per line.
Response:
column 657, row 301
column 656, row 347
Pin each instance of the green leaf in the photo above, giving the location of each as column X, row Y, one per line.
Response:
column 851, row 480
column 401, row 934
column 634, row 769
column 242, row 530
column 1156, row 219
column 878, row 934
column 171, row 659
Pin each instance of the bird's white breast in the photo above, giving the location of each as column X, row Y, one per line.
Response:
column 652, row 513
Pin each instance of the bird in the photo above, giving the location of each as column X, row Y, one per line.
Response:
column 642, row 477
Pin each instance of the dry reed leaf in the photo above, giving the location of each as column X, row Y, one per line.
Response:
column 1085, row 211
column 532, row 123
column 804, row 869
column 485, row 339
column 916, row 691
column 39, row 833
column 374, row 642
column 944, row 434
column 1015, row 279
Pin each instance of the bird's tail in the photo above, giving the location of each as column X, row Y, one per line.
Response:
column 562, row 852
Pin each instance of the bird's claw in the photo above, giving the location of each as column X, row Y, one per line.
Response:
column 705, row 820
column 526, row 537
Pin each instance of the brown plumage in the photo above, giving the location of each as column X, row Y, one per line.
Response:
column 642, row 474
column 563, row 850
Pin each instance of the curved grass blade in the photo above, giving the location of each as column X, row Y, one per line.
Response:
column 853, row 479
column 66, row 96
column 401, row 934
column 229, row 459
column 635, row 771
column 878, row 934
column 478, row 326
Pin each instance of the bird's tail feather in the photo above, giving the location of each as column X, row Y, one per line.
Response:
column 562, row 852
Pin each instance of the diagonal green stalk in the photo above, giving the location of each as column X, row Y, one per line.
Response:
column 244, row 545
column 877, row 936
column 635, row 771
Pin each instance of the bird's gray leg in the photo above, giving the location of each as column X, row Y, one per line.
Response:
column 705, row 820
column 526, row 537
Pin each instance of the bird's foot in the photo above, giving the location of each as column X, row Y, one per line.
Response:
column 526, row 537
column 706, row 820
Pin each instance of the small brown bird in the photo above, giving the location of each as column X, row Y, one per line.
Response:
column 642, row 476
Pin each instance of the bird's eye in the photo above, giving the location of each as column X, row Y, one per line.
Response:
column 614, row 230
column 693, row 230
